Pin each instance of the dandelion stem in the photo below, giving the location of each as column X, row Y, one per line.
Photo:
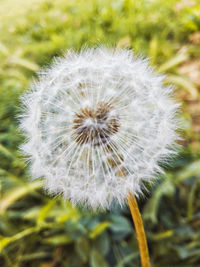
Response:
column 137, row 219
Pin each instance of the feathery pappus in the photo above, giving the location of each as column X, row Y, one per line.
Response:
column 98, row 123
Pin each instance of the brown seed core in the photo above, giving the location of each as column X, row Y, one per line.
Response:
column 95, row 126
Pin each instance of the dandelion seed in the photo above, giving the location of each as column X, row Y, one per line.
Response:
column 98, row 124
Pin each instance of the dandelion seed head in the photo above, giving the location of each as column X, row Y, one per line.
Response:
column 98, row 123
column 95, row 126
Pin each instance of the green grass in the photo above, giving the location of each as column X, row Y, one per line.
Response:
column 37, row 230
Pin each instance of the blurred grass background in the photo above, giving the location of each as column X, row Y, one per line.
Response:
column 36, row 230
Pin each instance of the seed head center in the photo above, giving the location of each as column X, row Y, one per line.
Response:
column 95, row 126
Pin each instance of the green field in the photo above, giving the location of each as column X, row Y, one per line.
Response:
column 37, row 230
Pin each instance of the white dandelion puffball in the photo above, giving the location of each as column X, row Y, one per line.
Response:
column 98, row 123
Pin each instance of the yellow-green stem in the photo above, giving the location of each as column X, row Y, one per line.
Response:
column 137, row 219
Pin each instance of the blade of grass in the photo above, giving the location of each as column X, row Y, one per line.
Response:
column 10, row 197
column 182, row 82
column 172, row 62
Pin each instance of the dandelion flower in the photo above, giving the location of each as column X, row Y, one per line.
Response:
column 98, row 124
